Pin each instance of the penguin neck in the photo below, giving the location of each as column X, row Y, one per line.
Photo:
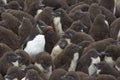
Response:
column 92, row 69
column 58, row 26
column 74, row 62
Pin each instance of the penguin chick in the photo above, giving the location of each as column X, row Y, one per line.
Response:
column 25, row 58
column 9, row 38
column 78, row 26
column 105, row 77
column 104, row 68
column 57, row 74
column 58, row 48
column 44, row 62
column 24, row 29
column 111, row 6
column 35, row 46
column 10, row 22
column 14, row 73
column 68, row 58
column 111, row 54
column 14, row 5
column 4, row 48
column 71, row 75
column 117, row 64
column 32, row 75
column 99, row 29
column 87, row 61
column 9, row 59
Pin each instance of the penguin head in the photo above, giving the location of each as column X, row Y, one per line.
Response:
column 71, row 75
column 14, row 5
column 62, row 43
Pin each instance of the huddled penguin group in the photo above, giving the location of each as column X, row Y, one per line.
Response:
column 60, row 40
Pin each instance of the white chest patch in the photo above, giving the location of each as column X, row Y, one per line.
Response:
column 38, row 12
column 16, row 63
column 98, row 71
column 35, row 46
column 24, row 78
column 109, row 60
column 118, row 36
column 68, row 41
column 92, row 69
column 107, row 23
column 5, row 1
column 58, row 26
column 117, row 67
column 74, row 62
column 56, row 51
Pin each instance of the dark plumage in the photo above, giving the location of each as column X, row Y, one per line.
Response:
column 25, row 29
column 44, row 62
column 109, row 16
column 94, row 10
column 78, row 26
column 82, row 75
column 100, row 45
column 112, row 51
column 4, row 48
column 32, row 75
column 66, row 58
column 1, row 77
column 57, row 74
column 9, row 38
column 14, row 73
column 111, row 6
column 10, row 22
column 105, row 77
column 105, row 68
column 99, row 29
column 85, row 63
column 115, row 29
column 88, row 1
column 14, row 5
column 8, row 60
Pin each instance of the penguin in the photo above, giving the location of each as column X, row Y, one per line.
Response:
column 111, row 54
column 104, row 68
column 9, row 38
column 87, row 61
column 56, row 4
column 78, row 26
column 31, row 7
column 105, row 77
column 82, row 75
column 94, row 10
column 58, row 48
column 25, row 58
column 9, row 59
column 100, row 28
column 84, row 17
column 114, row 29
column 71, row 75
column 50, row 35
column 117, row 64
column 46, row 16
column 25, row 29
column 13, row 5
column 85, row 8
column 99, row 45
column 66, row 21
column 32, row 75
column 45, row 63
column 32, row 66
column 20, row 14
column 35, row 46
column 117, row 8
column 111, row 6
column 68, row 58
column 10, row 22
column 4, row 48
column 57, row 23
column 14, row 73
column 81, row 36
column 109, row 16
column 57, row 74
